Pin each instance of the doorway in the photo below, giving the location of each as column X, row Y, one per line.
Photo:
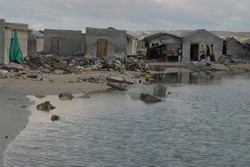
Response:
column 194, row 52
column 54, row 46
column 224, row 50
column 101, row 48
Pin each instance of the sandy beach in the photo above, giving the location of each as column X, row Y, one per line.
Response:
column 13, row 91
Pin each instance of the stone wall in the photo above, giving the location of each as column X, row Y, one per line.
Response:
column 2, row 38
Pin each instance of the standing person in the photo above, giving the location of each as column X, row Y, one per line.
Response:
column 203, row 53
column 212, row 57
column 208, row 62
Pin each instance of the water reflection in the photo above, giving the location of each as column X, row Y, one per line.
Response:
column 186, row 78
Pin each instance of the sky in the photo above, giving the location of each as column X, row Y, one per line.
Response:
column 131, row 15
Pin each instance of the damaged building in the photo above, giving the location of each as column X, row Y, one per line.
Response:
column 6, row 35
column 105, row 42
column 62, row 42
column 192, row 41
column 35, row 41
column 235, row 49
column 164, row 45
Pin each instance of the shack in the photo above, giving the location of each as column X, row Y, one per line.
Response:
column 235, row 49
column 105, row 42
column 6, row 34
column 192, row 41
column 35, row 41
column 62, row 42
column 164, row 45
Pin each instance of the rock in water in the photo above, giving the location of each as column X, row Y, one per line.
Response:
column 160, row 90
column 55, row 118
column 46, row 106
column 147, row 98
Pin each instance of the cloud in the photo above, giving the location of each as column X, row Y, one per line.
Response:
column 130, row 14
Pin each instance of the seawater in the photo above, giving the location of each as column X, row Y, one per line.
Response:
column 205, row 121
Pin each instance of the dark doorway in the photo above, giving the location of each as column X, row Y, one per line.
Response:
column 194, row 52
column 101, row 48
column 54, row 46
column 224, row 51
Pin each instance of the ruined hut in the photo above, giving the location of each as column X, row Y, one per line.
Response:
column 236, row 49
column 62, row 42
column 165, row 45
column 131, row 45
column 6, row 35
column 192, row 41
column 246, row 44
column 35, row 41
column 105, row 42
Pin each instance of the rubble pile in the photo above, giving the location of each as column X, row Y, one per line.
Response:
column 73, row 64
column 228, row 60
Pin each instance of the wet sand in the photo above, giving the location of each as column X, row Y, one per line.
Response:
column 13, row 101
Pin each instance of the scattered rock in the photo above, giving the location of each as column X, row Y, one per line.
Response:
column 55, row 118
column 41, row 95
column 147, row 98
column 46, row 106
column 65, row 96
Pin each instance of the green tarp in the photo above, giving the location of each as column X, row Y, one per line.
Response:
column 15, row 50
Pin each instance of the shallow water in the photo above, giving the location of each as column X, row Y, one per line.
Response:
column 205, row 121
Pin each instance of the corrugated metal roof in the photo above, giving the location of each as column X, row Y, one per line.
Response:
column 157, row 35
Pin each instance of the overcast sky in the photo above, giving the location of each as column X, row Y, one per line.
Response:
column 229, row 15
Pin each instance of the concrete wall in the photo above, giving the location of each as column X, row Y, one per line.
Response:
column 131, row 46
column 69, row 41
column 116, row 41
column 2, row 39
column 204, row 38
column 6, row 34
column 39, row 44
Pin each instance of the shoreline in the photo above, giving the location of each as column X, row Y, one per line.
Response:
column 13, row 100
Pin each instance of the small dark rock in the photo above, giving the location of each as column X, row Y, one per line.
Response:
column 55, row 118
column 147, row 98
column 46, row 106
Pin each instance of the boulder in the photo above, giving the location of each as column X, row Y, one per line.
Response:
column 65, row 96
column 119, row 86
column 147, row 98
column 160, row 90
column 55, row 118
column 46, row 106
column 116, row 79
